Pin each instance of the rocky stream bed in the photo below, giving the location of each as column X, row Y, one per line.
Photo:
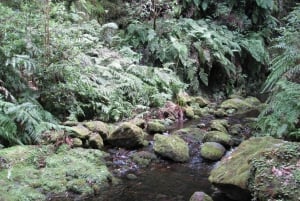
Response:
column 157, row 158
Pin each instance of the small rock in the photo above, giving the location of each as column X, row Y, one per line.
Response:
column 77, row 142
column 200, row 196
column 155, row 127
column 218, row 136
column 95, row 141
column 216, row 125
column 212, row 151
column 131, row 176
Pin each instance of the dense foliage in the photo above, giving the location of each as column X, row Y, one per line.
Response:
column 69, row 60
column 281, row 116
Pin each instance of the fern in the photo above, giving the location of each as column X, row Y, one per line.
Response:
column 282, row 114
column 24, row 123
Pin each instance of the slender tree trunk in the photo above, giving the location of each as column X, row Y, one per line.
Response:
column 47, row 32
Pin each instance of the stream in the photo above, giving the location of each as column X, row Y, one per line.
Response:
column 162, row 180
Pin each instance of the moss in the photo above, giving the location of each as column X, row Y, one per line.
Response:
column 217, row 125
column 234, row 169
column 172, row 147
column 99, row 127
column 156, row 127
column 275, row 175
column 34, row 171
column 236, row 103
column 143, row 158
column 218, row 136
column 212, row 151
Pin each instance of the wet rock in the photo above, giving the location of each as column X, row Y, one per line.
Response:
column 217, row 125
column 39, row 170
column 1, row 146
column 127, row 135
column 233, row 172
column 155, row 127
column 219, row 137
column 143, row 158
column 98, row 127
column 80, row 132
column 95, row 141
column 77, row 142
column 200, row 196
column 131, row 176
column 172, row 147
column 212, row 151
column 190, row 134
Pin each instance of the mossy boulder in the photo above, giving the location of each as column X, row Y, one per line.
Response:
column 201, row 101
column 219, row 137
column 172, row 147
column 190, row 133
column 127, row 135
column 200, row 196
column 253, row 101
column 236, row 129
column 233, row 172
column 189, row 112
column 217, row 125
column 31, row 172
column 212, row 151
column 77, row 142
column 95, row 141
column 155, row 126
column 275, row 175
column 98, row 127
column 139, row 122
column 80, row 132
column 237, row 104
column 143, row 158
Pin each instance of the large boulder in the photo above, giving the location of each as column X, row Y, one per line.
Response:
column 200, row 196
column 236, row 103
column 212, row 151
column 127, row 135
column 33, row 172
column 172, row 147
column 233, row 172
column 275, row 175
column 98, row 127
column 219, row 137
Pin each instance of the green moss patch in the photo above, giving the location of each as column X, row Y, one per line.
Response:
column 30, row 172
